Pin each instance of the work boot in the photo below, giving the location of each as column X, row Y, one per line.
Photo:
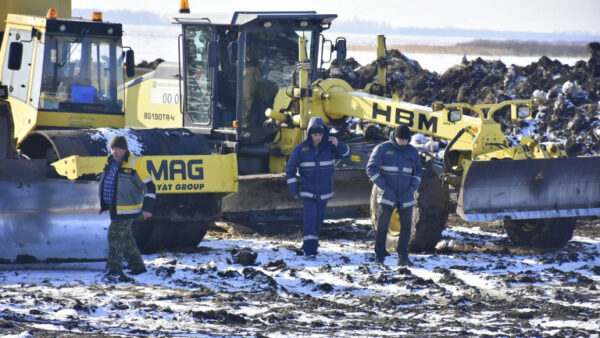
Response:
column 404, row 261
column 137, row 270
column 116, row 276
column 379, row 261
column 311, row 257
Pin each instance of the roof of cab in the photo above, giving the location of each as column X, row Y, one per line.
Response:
column 240, row 18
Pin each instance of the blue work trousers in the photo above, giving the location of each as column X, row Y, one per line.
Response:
column 382, row 230
column 314, row 213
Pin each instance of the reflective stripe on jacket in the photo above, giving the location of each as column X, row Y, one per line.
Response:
column 396, row 170
column 134, row 189
column 315, row 165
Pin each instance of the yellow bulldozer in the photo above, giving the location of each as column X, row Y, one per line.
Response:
column 233, row 109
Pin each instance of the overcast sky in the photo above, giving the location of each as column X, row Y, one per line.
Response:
column 545, row 16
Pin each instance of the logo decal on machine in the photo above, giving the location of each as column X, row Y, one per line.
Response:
column 177, row 175
column 403, row 116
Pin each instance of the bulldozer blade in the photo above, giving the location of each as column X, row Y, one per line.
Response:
column 265, row 192
column 49, row 220
column 530, row 189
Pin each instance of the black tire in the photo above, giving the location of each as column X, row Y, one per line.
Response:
column 429, row 215
column 154, row 235
column 179, row 221
column 540, row 233
column 194, row 212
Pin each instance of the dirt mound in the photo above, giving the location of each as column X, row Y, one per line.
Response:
column 151, row 64
column 569, row 115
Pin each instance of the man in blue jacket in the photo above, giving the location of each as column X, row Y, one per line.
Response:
column 395, row 167
column 314, row 159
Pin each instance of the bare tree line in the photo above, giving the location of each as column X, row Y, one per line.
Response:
column 494, row 47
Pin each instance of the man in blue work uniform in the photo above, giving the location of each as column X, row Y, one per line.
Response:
column 395, row 167
column 314, row 158
column 128, row 193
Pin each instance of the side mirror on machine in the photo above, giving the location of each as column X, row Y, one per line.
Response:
column 340, row 48
column 15, row 55
column 213, row 54
column 129, row 63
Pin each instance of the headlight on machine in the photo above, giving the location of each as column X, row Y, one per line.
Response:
column 523, row 112
column 454, row 115
column 537, row 100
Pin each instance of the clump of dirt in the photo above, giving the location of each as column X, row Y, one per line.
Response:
column 244, row 256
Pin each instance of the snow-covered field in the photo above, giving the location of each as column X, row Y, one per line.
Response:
column 152, row 42
column 476, row 283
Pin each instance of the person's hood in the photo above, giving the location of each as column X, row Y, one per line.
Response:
column 317, row 121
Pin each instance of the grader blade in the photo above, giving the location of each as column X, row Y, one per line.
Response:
column 531, row 189
column 266, row 196
column 48, row 220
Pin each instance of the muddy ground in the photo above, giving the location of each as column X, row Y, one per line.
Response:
column 239, row 283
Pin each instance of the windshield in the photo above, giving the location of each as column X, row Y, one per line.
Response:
column 81, row 71
column 270, row 59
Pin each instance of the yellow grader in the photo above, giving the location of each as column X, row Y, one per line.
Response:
column 216, row 130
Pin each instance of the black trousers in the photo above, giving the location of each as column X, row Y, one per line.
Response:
column 382, row 230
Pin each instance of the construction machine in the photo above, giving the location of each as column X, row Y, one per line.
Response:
column 64, row 80
column 251, row 85
column 533, row 188
column 228, row 75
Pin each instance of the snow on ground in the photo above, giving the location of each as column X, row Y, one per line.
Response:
column 476, row 283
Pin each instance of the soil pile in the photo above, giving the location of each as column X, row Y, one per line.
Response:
column 570, row 114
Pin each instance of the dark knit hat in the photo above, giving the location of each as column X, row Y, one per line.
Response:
column 317, row 129
column 402, row 132
column 119, row 142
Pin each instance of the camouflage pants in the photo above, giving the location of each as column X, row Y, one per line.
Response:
column 122, row 244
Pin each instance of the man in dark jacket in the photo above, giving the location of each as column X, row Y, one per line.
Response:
column 314, row 159
column 395, row 167
column 128, row 193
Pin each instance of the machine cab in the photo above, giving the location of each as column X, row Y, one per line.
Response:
column 233, row 71
column 62, row 72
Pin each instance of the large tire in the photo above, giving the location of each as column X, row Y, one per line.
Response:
column 540, row 233
column 153, row 236
column 429, row 215
column 194, row 213
column 179, row 221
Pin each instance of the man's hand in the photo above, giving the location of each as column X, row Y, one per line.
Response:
column 146, row 214
column 296, row 196
column 333, row 140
